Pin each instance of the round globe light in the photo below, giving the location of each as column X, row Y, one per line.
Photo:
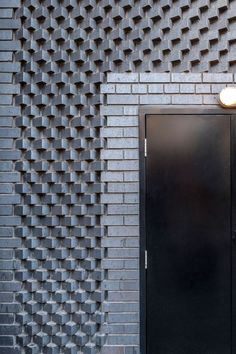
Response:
column 228, row 97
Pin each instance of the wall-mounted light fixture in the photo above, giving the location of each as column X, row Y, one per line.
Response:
column 227, row 97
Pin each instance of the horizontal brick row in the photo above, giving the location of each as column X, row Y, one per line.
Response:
column 123, row 78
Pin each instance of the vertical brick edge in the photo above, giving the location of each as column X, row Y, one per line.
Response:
column 9, row 285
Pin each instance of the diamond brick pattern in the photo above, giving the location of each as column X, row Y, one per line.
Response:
column 60, row 188
column 67, row 47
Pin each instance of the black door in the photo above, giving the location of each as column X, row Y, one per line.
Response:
column 188, row 234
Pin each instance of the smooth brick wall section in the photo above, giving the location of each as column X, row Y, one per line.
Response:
column 121, row 216
column 9, row 285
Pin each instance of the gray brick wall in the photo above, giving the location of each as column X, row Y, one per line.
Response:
column 64, row 49
column 9, row 284
column 124, row 94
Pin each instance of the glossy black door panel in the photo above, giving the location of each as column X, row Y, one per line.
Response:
column 188, row 234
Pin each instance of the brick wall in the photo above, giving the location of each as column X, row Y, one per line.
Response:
column 8, row 177
column 124, row 93
column 65, row 48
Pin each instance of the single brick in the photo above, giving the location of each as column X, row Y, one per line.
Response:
column 9, row 67
column 155, row 77
column 6, row 122
column 6, row 143
column 5, row 99
column 6, row 340
column 129, row 231
column 10, row 155
column 9, row 23
column 123, row 253
column 5, row 56
column 112, row 176
column 171, row 88
column 112, row 220
column 123, row 165
column 10, row 220
column 9, row 177
column 107, row 88
column 122, row 317
column 122, row 121
column 122, row 274
column 6, row 13
column 126, row 77
column 119, row 264
column 12, row 45
column 119, row 241
column 155, row 99
column 109, row 198
column 111, row 154
column 131, row 220
column 187, row 88
column 131, row 176
column 10, row 3
column 131, row 154
column 122, row 143
column 9, row 199
column 123, row 88
column 5, row 77
column 112, row 110
column 122, row 99
column 111, row 132
column 9, row 132
column 217, row 77
column 139, row 88
column 216, row 88
column 131, row 110
column 9, row 89
column 6, row 188
column 186, row 77
column 203, row 88
column 5, row 165
column 131, row 198
column 11, row 243
column 155, row 88
column 210, row 99
column 6, row 231
column 186, row 99
column 131, row 132
column 122, row 187
column 123, row 209
column 123, row 296
column 112, row 349
column 6, row 210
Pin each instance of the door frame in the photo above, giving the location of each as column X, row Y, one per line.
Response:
column 180, row 110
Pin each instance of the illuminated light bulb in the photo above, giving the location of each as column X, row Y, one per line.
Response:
column 228, row 97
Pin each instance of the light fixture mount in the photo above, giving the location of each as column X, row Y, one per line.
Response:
column 227, row 97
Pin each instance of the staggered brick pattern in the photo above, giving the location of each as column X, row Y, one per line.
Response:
column 143, row 35
column 60, row 187
column 124, row 94
column 67, row 47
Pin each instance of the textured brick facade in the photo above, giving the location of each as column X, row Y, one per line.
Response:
column 69, row 224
